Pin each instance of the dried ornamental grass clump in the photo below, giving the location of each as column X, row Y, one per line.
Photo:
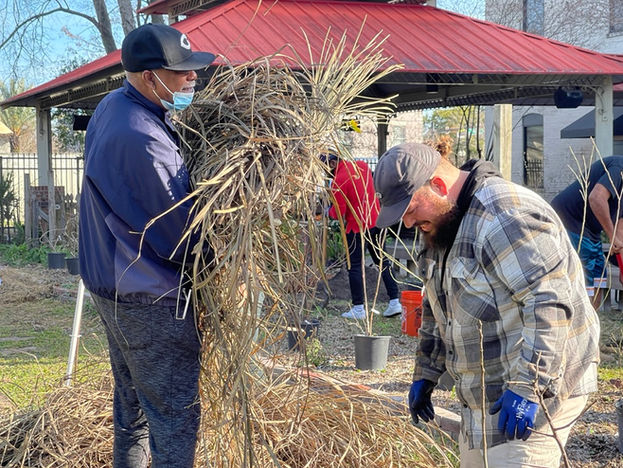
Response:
column 252, row 140
column 319, row 424
column 340, row 426
column 73, row 428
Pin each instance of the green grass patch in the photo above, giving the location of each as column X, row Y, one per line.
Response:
column 27, row 380
column 34, row 348
column 610, row 372
column 44, row 331
column 386, row 326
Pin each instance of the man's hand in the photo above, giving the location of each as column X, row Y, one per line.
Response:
column 517, row 415
column 420, row 404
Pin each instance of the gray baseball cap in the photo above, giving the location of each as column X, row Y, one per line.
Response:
column 399, row 173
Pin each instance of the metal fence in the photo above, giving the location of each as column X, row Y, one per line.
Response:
column 67, row 169
column 533, row 173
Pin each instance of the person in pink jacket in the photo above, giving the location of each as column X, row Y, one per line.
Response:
column 356, row 203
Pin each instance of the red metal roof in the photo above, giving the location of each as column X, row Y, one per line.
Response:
column 159, row 7
column 423, row 38
column 101, row 64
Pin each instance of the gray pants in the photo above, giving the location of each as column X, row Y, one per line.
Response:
column 155, row 364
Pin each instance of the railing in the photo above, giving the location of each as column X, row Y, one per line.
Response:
column 533, row 173
column 67, row 170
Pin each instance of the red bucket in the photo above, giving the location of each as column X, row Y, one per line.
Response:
column 411, row 312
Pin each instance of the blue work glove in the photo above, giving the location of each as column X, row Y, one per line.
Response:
column 420, row 404
column 517, row 415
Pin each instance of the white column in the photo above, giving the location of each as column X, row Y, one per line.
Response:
column 502, row 136
column 604, row 118
column 44, row 146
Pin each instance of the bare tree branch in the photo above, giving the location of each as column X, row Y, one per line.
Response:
column 39, row 16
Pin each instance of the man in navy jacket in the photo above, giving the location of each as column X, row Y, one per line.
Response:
column 131, row 260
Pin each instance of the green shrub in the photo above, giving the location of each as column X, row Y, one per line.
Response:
column 21, row 254
column 336, row 250
column 315, row 353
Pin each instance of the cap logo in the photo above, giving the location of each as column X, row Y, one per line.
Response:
column 184, row 42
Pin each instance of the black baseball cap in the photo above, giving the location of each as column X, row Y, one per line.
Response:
column 154, row 46
column 330, row 155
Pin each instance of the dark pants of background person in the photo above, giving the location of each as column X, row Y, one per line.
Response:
column 355, row 273
column 155, row 364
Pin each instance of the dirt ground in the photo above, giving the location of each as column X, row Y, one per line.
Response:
column 593, row 442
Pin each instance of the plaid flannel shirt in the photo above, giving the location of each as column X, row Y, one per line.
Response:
column 513, row 278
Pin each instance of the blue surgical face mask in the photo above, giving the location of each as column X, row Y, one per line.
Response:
column 180, row 100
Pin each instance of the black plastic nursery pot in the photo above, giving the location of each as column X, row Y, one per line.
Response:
column 73, row 265
column 308, row 329
column 56, row 260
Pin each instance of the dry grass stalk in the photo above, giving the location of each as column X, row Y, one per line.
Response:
column 317, row 424
column 73, row 428
column 253, row 138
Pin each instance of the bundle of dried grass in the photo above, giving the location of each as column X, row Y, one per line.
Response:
column 253, row 138
column 340, row 426
column 73, row 428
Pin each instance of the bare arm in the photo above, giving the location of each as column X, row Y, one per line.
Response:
column 598, row 202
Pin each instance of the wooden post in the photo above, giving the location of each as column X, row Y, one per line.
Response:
column 27, row 211
column 2, row 220
column 604, row 118
column 44, row 146
column 51, row 211
column 502, row 138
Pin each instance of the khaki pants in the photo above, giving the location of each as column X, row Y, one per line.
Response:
column 539, row 451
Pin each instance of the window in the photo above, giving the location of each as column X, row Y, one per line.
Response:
column 398, row 134
column 533, row 14
column 533, row 150
column 616, row 16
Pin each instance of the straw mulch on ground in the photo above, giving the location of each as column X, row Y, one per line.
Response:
column 327, row 424
column 73, row 428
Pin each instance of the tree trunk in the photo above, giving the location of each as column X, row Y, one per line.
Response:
column 156, row 19
column 104, row 25
column 127, row 16
column 14, row 143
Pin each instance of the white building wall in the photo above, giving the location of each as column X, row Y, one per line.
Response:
column 560, row 155
column 563, row 154
column 612, row 44
column 589, row 27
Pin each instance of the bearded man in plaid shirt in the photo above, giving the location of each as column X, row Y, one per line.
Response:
column 505, row 310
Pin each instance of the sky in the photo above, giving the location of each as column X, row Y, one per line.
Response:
column 61, row 41
column 54, row 44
